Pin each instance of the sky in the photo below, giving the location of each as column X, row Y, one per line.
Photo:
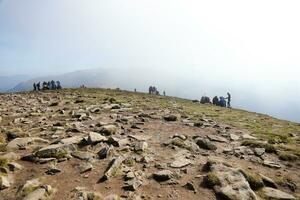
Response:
column 250, row 48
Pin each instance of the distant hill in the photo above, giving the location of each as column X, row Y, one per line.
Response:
column 7, row 82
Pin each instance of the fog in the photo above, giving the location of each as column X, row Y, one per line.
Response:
column 188, row 48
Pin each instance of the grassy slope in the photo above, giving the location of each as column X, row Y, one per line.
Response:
column 262, row 126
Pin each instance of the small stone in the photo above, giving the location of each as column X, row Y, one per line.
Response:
column 170, row 118
column 83, row 155
column 96, row 138
column 114, row 165
column 106, row 152
column 141, row 146
column 268, row 181
column 190, row 186
column 259, row 151
column 108, row 129
column 85, row 167
column 4, row 182
column 205, row 144
column 163, row 175
column 53, row 171
column 234, row 137
column 13, row 166
column 217, row 138
column 271, row 164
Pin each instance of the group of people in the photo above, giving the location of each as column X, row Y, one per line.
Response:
column 153, row 90
column 218, row 101
column 222, row 101
column 50, row 85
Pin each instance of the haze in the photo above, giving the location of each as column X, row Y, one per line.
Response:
column 250, row 48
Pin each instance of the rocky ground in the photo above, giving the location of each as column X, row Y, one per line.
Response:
column 90, row 144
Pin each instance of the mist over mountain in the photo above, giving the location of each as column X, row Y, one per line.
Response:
column 193, row 86
column 6, row 82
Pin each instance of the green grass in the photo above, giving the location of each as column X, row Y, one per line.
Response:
column 211, row 180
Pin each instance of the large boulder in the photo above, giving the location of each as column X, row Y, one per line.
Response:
column 55, row 151
column 231, row 183
column 163, row 175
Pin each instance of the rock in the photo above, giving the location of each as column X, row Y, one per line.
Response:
column 163, row 175
column 141, row 146
column 248, row 137
column 130, row 175
column 71, row 140
column 231, row 183
column 242, row 150
column 43, row 192
column 216, row 138
column 118, row 142
column 108, row 129
column 106, row 152
column 13, row 166
column 190, row 186
column 0, row 119
column 180, row 162
column 275, row 194
column 205, row 144
column 55, row 151
column 10, row 156
column 268, row 181
column 53, row 171
column 180, row 136
column 83, row 155
column 112, row 197
column 259, row 151
column 80, row 193
column 85, row 167
column 233, row 137
column 140, row 137
column 271, row 164
column 94, row 138
column 113, row 167
column 25, row 142
column 132, row 184
column 170, row 118
column 4, row 182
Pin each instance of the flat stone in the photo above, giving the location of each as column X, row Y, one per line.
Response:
column 96, row 138
column 13, row 166
column 271, row 164
column 55, row 151
column 83, row 155
column 180, row 162
column 132, row 184
column 25, row 142
column 216, row 138
column 248, row 137
column 275, row 194
column 140, row 137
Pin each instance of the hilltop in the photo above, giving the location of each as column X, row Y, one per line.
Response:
column 107, row 144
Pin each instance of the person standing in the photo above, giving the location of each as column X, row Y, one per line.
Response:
column 34, row 87
column 228, row 100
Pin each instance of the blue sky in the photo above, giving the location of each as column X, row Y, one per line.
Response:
column 242, row 45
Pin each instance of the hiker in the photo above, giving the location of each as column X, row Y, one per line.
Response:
column 34, row 87
column 164, row 92
column 215, row 101
column 45, row 85
column 134, row 89
column 150, row 89
column 53, row 86
column 38, row 86
column 228, row 100
column 49, row 85
column 58, row 86
column 222, row 102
